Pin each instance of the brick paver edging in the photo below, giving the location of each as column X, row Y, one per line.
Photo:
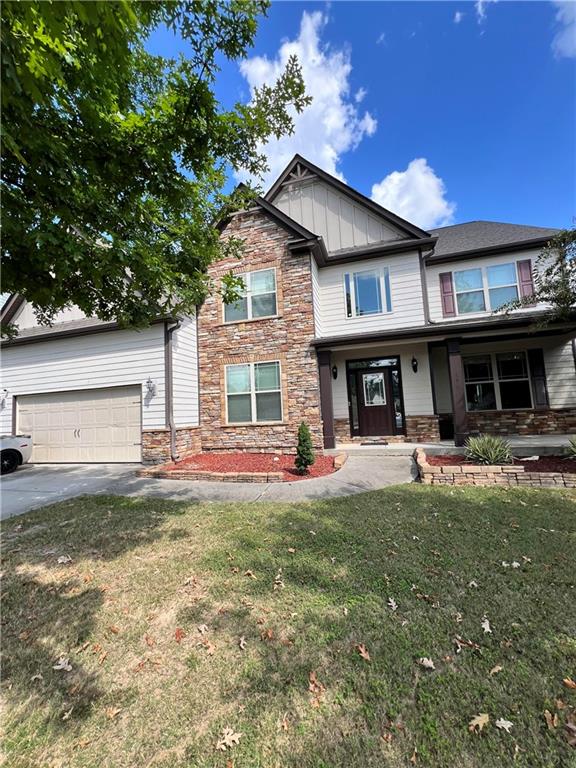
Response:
column 484, row 474
column 224, row 477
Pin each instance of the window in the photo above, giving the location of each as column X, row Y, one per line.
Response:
column 485, row 288
column 367, row 292
column 253, row 393
column 497, row 382
column 374, row 390
column 258, row 299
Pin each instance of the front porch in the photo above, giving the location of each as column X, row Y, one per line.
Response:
column 522, row 445
column 435, row 393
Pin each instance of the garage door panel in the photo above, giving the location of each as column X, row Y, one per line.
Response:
column 84, row 425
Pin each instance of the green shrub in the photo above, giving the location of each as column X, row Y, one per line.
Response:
column 304, row 451
column 571, row 452
column 488, row 449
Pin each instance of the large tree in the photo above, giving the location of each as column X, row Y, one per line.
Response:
column 114, row 161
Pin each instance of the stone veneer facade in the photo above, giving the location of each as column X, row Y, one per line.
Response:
column 419, row 429
column 541, row 422
column 156, row 444
column 285, row 337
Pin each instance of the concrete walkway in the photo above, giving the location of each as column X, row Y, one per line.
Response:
column 34, row 486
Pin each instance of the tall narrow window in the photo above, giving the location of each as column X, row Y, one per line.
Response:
column 367, row 292
column 253, row 393
column 258, row 299
column 480, row 388
column 469, row 291
column 502, row 285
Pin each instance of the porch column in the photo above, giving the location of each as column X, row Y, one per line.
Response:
column 326, row 406
column 456, row 372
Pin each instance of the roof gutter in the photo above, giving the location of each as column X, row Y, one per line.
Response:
column 490, row 250
column 169, row 386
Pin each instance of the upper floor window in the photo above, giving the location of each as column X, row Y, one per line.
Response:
column 258, row 299
column 367, row 292
column 497, row 382
column 253, row 393
column 485, row 288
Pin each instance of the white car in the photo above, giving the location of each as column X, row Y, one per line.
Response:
column 14, row 450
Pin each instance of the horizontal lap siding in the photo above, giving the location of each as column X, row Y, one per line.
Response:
column 405, row 289
column 110, row 359
column 185, row 374
column 433, row 280
column 316, row 297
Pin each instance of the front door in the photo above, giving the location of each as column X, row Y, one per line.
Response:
column 376, row 411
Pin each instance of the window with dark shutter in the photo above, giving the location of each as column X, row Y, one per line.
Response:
column 447, row 295
column 525, row 278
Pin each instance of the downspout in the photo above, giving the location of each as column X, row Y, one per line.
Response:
column 169, row 386
column 424, row 284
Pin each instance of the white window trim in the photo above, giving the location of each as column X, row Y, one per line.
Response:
column 248, row 280
column 382, row 272
column 485, row 287
column 252, row 394
column 496, row 381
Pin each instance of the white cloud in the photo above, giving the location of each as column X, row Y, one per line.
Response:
column 564, row 42
column 417, row 194
column 458, row 16
column 360, row 95
column 480, row 6
column 332, row 125
column 381, row 38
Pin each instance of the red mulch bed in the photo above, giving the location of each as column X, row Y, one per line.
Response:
column 253, row 462
column 543, row 464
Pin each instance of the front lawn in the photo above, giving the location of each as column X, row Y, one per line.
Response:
column 298, row 627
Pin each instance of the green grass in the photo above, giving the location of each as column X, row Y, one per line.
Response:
column 143, row 568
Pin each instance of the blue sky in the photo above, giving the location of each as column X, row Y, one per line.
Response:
column 442, row 111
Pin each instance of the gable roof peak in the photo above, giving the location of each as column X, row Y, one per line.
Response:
column 300, row 169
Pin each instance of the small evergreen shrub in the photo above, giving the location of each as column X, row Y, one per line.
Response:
column 571, row 452
column 304, row 451
column 488, row 449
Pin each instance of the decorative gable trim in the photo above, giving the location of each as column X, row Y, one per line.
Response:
column 299, row 169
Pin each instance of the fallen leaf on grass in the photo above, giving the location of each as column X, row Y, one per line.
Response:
column 427, row 663
column 392, row 604
column 66, row 715
column 387, row 738
column 179, row 634
column 504, row 725
column 228, row 739
column 284, row 723
column 267, row 634
column 551, row 719
column 278, row 581
column 250, row 574
column 495, row 670
column 102, row 658
column 414, row 756
column 461, row 643
column 64, row 560
column 363, row 651
column 112, row 712
column 113, row 629
column 63, row 664
column 570, row 733
column 291, row 550
column 203, row 628
column 149, row 641
column 210, row 649
column 478, row 722
column 569, row 683
column 486, row 626
column 315, row 687
column 242, row 643
column 37, row 676
column 473, row 584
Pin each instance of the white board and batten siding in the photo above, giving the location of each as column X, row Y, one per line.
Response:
column 405, row 290
column 416, row 388
column 342, row 222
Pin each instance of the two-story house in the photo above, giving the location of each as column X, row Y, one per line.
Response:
column 352, row 319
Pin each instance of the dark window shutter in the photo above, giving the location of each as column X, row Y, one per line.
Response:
column 525, row 278
column 447, row 294
column 538, row 377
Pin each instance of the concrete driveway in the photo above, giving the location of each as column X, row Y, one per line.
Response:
column 35, row 486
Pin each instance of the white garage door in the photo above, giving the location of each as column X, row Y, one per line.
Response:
column 89, row 425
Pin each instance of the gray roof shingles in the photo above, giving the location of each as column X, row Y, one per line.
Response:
column 474, row 235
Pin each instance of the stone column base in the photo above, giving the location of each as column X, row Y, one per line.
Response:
column 422, row 429
column 156, row 444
